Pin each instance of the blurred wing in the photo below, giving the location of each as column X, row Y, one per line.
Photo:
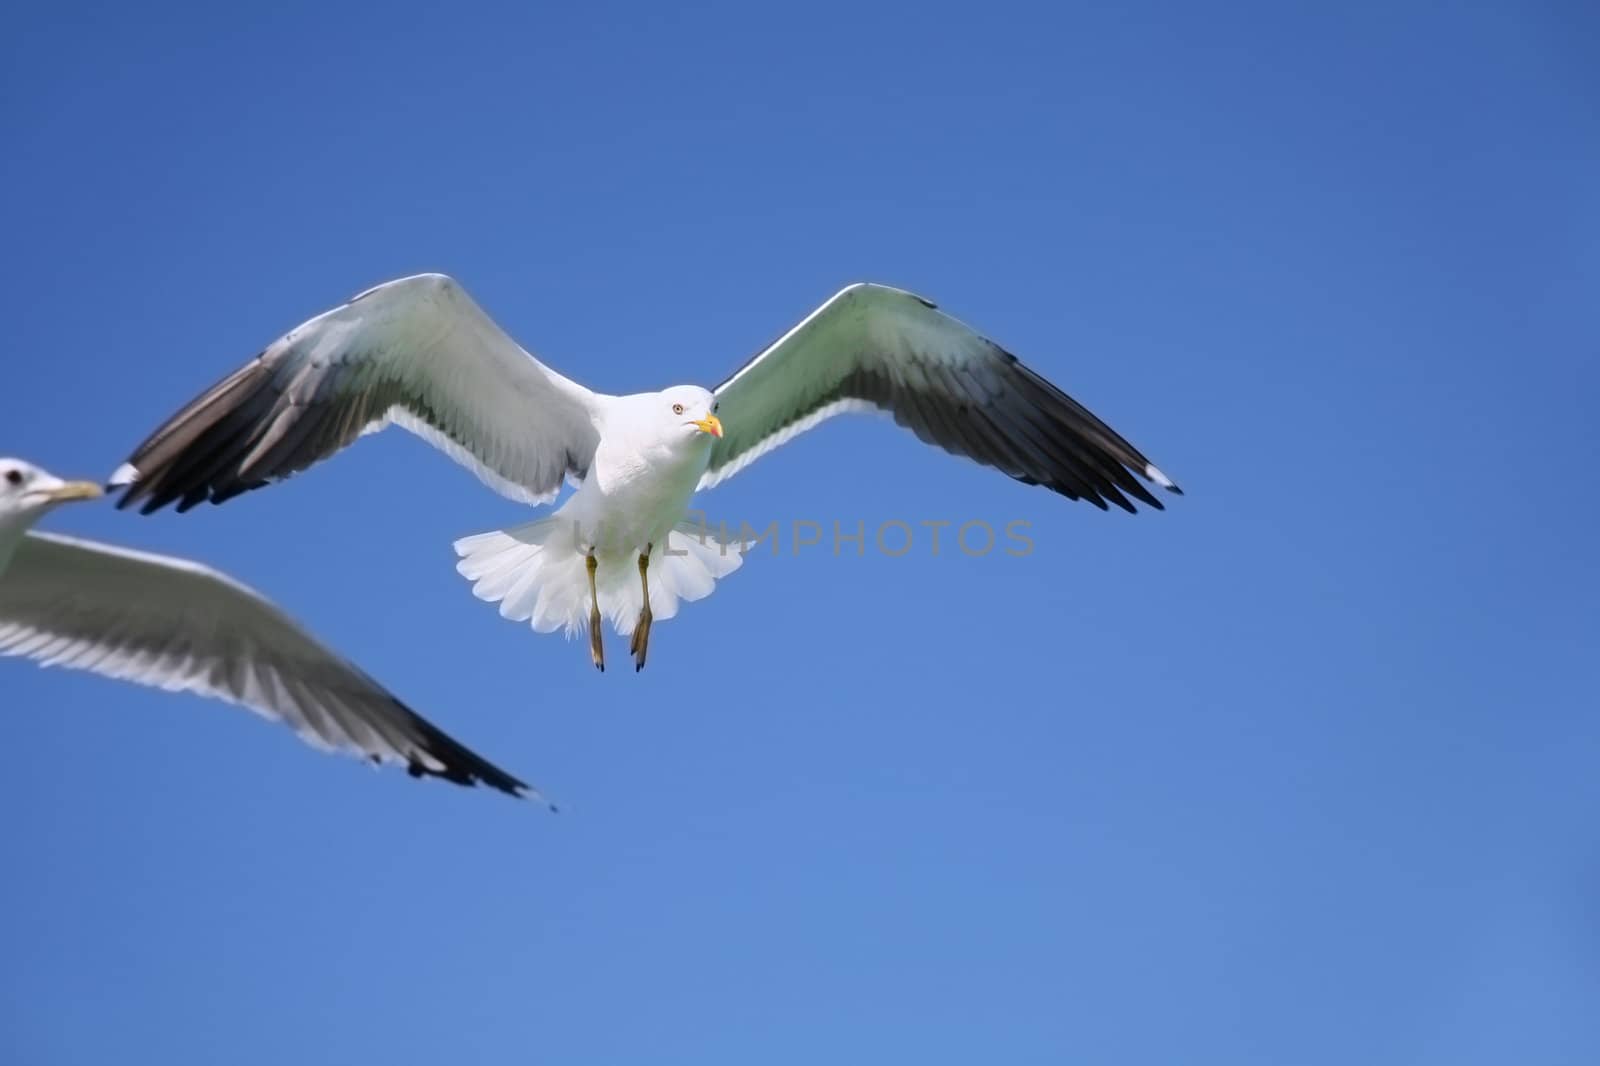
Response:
column 417, row 352
column 176, row 625
column 873, row 348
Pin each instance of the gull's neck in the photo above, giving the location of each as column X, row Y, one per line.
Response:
column 12, row 529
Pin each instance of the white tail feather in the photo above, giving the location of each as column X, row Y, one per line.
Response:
column 537, row 574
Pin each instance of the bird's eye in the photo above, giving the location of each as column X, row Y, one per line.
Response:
column 677, row 408
column 714, row 407
column 13, row 476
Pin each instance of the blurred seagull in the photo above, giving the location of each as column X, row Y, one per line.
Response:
column 419, row 353
column 176, row 625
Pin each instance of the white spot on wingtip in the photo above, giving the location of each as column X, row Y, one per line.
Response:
column 125, row 475
column 1158, row 477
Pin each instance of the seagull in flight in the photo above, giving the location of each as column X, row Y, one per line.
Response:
column 176, row 625
column 420, row 353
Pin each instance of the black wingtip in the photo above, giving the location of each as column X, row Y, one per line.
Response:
column 478, row 773
column 126, row 484
column 1153, row 474
column 457, row 763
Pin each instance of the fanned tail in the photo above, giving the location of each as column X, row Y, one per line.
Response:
column 537, row 574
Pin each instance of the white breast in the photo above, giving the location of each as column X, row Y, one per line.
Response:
column 633, row 495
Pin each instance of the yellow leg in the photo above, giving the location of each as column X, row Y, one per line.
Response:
column 597, row 648
column 641, row 632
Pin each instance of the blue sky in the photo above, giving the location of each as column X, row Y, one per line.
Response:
column 1301, row 770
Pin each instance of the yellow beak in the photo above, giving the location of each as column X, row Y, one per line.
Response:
column 710, row 424
column 68, row 491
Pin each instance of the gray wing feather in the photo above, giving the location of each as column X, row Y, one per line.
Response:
column 873, row 348
column 418, row 353
column 176, row 625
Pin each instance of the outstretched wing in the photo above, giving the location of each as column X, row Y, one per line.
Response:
column 873, row 348
column 417, row 352
column 175, row 625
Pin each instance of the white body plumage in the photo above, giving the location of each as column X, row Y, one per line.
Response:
column 634, row 500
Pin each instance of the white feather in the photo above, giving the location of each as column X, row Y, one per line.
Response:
column 538, row 574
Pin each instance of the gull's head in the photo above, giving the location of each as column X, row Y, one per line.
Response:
column 27, row 492
column 688, row 412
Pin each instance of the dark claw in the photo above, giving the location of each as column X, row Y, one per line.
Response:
column 640, row 645
column 597, row 648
